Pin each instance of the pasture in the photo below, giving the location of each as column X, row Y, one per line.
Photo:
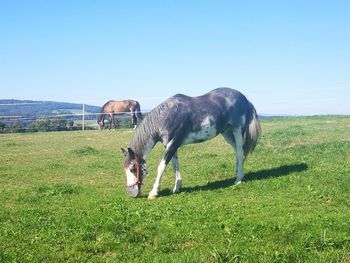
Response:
column 63, row 198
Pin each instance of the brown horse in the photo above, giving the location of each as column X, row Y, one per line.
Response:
column 114, row 107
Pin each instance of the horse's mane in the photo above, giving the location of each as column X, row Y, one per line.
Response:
column 150, row 128
column 104, row 105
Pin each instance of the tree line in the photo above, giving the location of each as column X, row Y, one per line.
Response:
column 56, row 124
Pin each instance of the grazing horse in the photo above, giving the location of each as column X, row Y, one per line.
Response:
column 113, row 107
column 183, row 120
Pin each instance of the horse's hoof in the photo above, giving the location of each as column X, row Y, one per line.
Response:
column 177, row 187
column 176, row 191
column 152, row 197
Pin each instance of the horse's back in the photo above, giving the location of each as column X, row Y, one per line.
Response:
column 182, row 113
column 225, row 96
column 235, row 103
column 224, row 104
column 218, row 103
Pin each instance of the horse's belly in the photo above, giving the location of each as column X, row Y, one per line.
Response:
column 206, row 133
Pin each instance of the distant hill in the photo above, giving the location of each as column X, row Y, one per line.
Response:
column 30, row 108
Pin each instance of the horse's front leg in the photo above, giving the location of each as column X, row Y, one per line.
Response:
column 178, row 180
column 170, row 151
column 156, row 186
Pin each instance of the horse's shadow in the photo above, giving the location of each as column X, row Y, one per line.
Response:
column 259, row 175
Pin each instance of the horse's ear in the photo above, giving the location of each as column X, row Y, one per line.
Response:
column 131, row 153
column 125, row 153
column 128, row 153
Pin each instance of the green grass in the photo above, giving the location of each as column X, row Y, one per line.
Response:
column 63, row 198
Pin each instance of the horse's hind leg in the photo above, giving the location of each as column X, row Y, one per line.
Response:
column 134, row 120
column 239, row 155
column 178, row 180
column 111, row 120
column 116, row 123
column 235, row 138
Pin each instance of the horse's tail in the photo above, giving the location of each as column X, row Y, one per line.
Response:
column 138, row 111
column 252, row 131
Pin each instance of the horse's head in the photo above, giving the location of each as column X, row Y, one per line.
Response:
column 100, row 123
column 135, row 169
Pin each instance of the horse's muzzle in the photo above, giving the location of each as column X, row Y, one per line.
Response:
column 133, row 191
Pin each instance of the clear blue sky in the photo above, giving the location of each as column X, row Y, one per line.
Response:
column 287, row 57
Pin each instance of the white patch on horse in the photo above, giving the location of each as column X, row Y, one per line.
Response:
column 130, row 177
column 207, row 131
column 243, row 120
column 167, row 146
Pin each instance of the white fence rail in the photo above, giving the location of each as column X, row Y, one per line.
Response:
column 77, row 120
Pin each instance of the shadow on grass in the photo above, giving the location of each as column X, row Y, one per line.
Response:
column 259, row 175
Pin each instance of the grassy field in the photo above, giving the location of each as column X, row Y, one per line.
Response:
column 63, row 198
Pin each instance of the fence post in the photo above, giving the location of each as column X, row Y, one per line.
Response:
column 83, row 122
